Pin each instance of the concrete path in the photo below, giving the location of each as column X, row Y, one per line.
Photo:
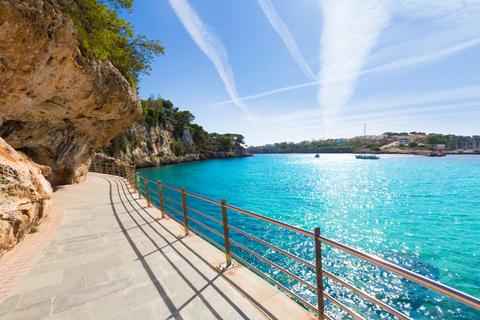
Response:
column 110, row 259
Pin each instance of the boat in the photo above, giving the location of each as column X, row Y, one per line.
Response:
column 317, row 156
column 364, row 155
column 437, row 154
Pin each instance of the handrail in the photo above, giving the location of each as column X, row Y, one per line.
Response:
column 134, row 179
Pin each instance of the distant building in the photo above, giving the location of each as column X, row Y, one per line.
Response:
column 291, row 143
column 342, row 141
column 440, row 147
column 402, row 139
column 269, row 145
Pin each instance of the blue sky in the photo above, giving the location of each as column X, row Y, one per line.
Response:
column 307, row 69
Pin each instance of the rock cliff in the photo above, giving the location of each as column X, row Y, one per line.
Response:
column 145, row 146
column 57, row 102
column 25, row 196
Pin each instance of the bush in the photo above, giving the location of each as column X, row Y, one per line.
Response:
column 136, row 144
column 33, row 230
column 177, row 148
column 161, row 154
column 150, row 146
column 133, row 158
column 413, row 145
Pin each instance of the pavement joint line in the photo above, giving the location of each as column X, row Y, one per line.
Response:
column 147, row 282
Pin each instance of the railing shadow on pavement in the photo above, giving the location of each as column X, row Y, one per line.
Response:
column 133, row 207
column 145, row 190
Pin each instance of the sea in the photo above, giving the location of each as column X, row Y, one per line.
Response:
column 421, row 213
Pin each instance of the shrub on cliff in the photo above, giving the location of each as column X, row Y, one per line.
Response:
column 107, row 36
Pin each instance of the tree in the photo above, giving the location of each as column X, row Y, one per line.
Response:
column 107, row 36
column 413, row 145
column 226, row 143
column 434, row 140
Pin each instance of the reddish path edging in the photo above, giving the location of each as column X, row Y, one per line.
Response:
column 14, row 264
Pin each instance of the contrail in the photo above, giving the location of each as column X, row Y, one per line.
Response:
column 282, row 30
column 350, row 30
column 403, row 63
column 211, row 46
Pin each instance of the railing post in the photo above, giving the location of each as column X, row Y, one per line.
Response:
column 228, row 255
column 139, row 188
column 318, row 263
column 95, row 166
column 146, row 191
column 132, row 179
column 160, row 196
column 185, row 216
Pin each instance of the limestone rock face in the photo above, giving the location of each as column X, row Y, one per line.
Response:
column 187, row 139
column 57, row 103
column 25, row 196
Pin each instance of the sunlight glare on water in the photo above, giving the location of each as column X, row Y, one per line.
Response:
column 418, row 212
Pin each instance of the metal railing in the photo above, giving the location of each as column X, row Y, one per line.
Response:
column 135, row 180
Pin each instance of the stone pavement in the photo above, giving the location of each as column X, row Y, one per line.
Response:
column 110, row 259
column 14, row 264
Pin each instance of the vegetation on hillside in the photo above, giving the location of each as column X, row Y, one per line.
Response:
column 107, row 36
column 417, row 141
column 161, row 112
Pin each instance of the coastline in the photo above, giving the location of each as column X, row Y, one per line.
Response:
column 353, row 151
column 191, row 157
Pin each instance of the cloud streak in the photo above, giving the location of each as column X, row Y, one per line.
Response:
column 211, row 46
column 282, row 30
column 403, row 63
column 350, row 30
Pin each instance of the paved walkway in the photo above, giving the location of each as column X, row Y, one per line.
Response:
column 110, row 259
column 14, row 264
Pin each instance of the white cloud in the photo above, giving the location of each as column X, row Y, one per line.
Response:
column 400, row 64
column 211, row 46
column 350, row 30
column 282, row 30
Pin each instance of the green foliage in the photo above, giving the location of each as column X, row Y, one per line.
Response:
column 4, row 182
column 136, row 144
column 160, row 154
column 401, row 145
column 133, row 158
column 150, row 146
column 413, row 145
column 180, row 120
column 435, row 139
column 107, row 36
column 33, row 230
column 177, row 148
column 144, row 108
column 152, row 117
column 226, row 143
column 117, row 145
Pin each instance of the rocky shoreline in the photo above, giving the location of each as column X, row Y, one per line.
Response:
column 166, row 160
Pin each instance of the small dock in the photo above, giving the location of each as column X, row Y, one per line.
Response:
column 103, row 254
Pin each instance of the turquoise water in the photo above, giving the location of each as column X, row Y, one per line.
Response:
column 418, row 212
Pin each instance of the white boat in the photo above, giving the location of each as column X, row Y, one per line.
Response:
column 364, row 155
